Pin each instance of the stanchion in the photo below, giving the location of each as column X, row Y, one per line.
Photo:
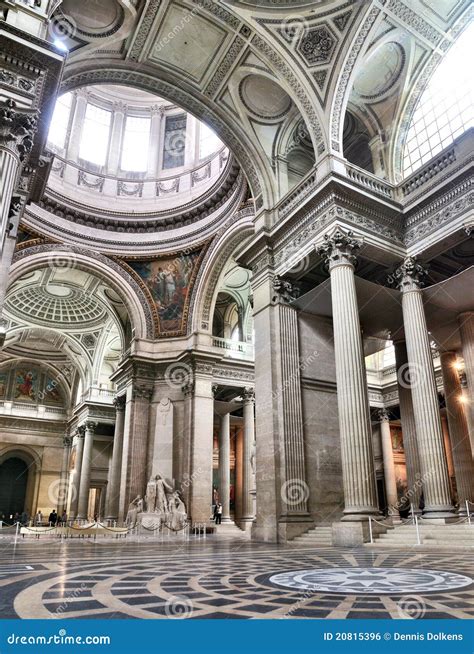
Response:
column 370, row 530
column 468, row 512
column 417, row 531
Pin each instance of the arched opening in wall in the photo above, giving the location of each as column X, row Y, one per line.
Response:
column 300, row 161
column 228, row 318
column 232, row 317
column 356, row 140
column 14, row 473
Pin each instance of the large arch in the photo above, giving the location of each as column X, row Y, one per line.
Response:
column 253, row 162
column 40, row 256
column 33, row 463
column 232, row 235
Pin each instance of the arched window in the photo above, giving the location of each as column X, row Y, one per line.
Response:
column 446, row 107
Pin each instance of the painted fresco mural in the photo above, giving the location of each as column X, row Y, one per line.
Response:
column 30, row 385
column 170, row 283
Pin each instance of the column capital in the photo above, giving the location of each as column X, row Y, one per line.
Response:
column 285, row 291
column 88, row 425
column 215, row 388
column 187, row 388
column 409, row 276
column 142, row 393
column 339, row 248
column 382, row 415
column 67, row 440
column 248, row 395
column 17, row 128
column 119, row 402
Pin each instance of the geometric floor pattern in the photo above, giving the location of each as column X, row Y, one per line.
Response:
column 226, row 580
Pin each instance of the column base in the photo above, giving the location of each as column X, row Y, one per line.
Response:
column 439, row 513
column 350, row 534
column 246, row 524
column 291, row 526
column 361, row 515
column 226, row 520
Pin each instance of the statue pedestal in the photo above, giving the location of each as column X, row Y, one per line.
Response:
column 152, row 521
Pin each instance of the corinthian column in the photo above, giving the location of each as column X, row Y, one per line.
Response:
column 85, row 484
column 76, row 474
column 224, row 466
column 412, row 458
column 358, row 470
column 388, row 465
column 248, row 396
column 113, row 490
column 63, row 485
column 424, row 393
column 466, row 327
column 17, row 130
column 458, row 431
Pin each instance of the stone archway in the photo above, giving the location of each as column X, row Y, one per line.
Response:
column 18, row 481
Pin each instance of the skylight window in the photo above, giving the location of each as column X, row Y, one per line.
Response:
column 135, row 144
column 446, row 107
column 95, row 135
column 60, row 121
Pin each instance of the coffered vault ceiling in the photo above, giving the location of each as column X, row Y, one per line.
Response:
column 255, row 70
column 68, row 319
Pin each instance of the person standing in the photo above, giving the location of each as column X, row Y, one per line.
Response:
column 53, row 518
column 219, row 514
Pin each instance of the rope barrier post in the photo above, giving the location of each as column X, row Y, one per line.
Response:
column 468, row 512
column 417, row 531
column 204, row 530
column 17, row 531
column 370, row 530
column 412, row 512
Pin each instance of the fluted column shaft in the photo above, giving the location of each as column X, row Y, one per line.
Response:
column 63, row 485
column 466, row 327
column 458, row 431
column 76, row 475
column 429, row 433
column 135, row 446
column 224, row 467
column 388, row 466
column 84, row 487
column 113, row 490
column 410, row 445
column 360, row 492
column 247, row 447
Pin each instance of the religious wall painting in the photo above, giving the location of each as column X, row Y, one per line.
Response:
column 397, row 438
column 26, row 385
column 3, row 384
column 51, row 393
column 169, row 282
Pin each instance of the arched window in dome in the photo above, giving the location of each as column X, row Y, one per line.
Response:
column 135, row 144
column 95, row 135
column 446, row 107
column 60, row 121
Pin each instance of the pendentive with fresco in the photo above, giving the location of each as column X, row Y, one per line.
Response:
column 236, row 266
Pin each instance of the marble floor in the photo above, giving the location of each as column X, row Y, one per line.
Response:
column 217, row 578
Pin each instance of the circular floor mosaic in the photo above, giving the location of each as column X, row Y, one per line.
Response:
column 371, row 581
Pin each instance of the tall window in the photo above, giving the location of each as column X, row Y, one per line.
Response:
column 95, row 135
column 208, row 141
column 59, row 122
column 135, row 144
column 446, row 107
column 175, row 141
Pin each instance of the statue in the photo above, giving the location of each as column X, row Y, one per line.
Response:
column 157, row 492
column 134, row 508
column 177, row 510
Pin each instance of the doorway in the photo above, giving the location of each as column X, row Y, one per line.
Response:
column 13, row 484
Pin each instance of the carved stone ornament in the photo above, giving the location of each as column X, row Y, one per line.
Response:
column 382, row 415
column 142, row 393
column 248, row 395
column 410, row 275
column 119, row 402
column 285, row 291
column 339, row 248
column 17, row 128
